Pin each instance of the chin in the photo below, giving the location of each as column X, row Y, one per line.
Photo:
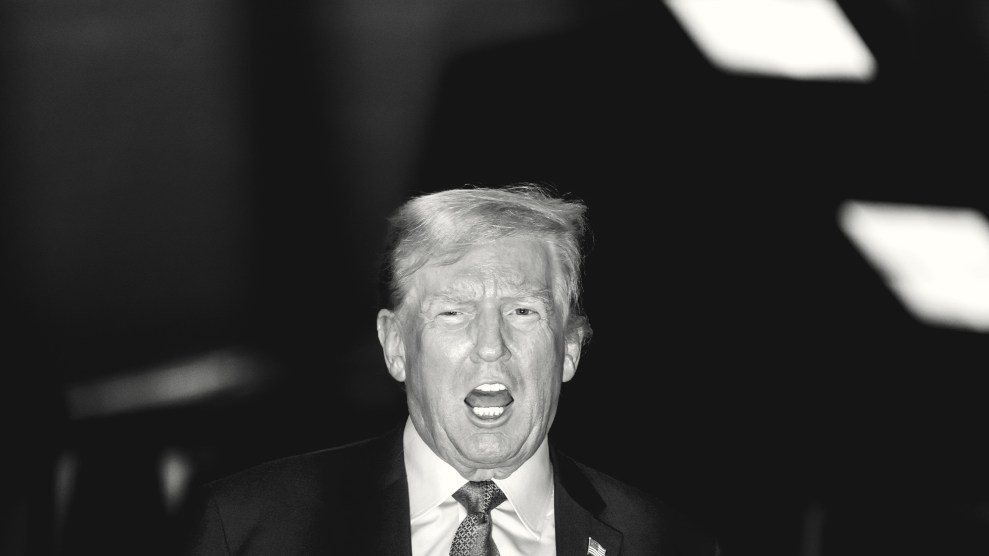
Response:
column 489, row 460
column 491, row 450
column 490, row 466
column 482, row 471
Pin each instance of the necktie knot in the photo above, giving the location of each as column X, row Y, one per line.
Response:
column 479, row 497
column 473, row 537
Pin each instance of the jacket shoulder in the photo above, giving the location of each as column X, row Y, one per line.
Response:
column 296, row 503
column 289, row 473
column 648, row 524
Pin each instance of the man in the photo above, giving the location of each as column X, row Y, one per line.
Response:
column 484, row 326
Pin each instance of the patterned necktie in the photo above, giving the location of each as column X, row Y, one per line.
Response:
column 473, row 537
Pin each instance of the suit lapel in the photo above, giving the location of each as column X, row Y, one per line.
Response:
column 386, row 519
column 577, row 506
column 394, row 515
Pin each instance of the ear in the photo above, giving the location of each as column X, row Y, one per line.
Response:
column 392, row 344
column 575, row 339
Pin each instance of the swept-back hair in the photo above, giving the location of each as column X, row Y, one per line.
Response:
column 443, row 226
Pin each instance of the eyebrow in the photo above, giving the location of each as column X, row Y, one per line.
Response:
column 542, row 295
column 466, row 294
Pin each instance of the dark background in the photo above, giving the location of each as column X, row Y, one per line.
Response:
column 185, row 177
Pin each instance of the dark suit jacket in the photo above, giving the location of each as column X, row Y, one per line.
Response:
column 354, row 500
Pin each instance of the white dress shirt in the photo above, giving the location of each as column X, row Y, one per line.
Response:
column 523, row 525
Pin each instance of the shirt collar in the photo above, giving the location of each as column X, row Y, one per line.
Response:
column 431, row 481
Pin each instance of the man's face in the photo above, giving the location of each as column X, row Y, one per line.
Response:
column 482, row 351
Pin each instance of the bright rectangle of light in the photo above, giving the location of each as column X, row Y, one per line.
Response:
column 794, row 39
column 934, row 259
column 222, row 372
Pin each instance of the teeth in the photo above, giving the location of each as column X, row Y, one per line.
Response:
column 491, row 387
column 488, row 411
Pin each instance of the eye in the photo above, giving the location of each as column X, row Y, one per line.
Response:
column 523, row 318
column 451, row 316
column 451, row 319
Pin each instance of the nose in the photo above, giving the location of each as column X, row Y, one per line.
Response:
column 490, row 340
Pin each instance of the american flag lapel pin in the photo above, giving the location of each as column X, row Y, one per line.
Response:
column 594, row 548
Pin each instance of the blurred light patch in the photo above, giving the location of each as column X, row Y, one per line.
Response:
column 66, row 469
column 175, row 472
column 219, row 373
column 794, row 39
column 935, row 259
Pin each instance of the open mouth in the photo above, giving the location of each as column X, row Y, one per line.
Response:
column 488, row 401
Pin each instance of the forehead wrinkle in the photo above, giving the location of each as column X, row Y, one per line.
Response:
column 467, row 290
column 459, row 291
column 516, row 284
column 500, row 278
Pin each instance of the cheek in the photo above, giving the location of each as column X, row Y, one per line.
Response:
column 438, row 361
column 445, row 347
column 543, row 356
